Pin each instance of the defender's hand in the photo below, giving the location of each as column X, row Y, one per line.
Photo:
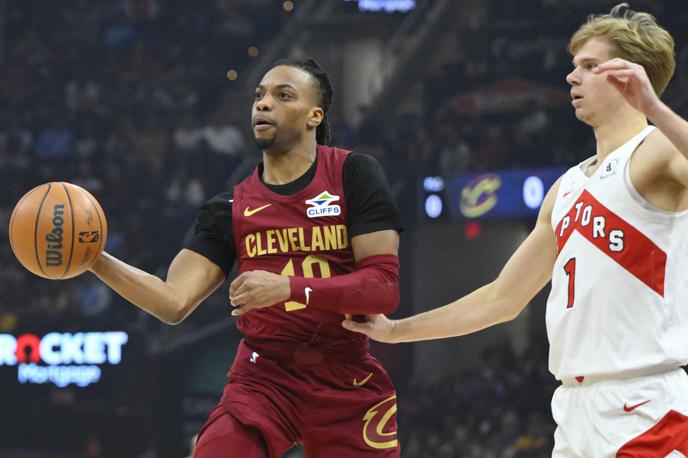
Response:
column 377, row 327
column 632, row 81
column 257, row 289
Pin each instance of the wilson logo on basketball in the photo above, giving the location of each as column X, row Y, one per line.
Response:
column 53, row 255
column 89, row 237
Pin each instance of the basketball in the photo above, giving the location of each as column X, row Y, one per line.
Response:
column 57, row 230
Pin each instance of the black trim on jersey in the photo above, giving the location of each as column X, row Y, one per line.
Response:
column 214, row 234
column 368, row 196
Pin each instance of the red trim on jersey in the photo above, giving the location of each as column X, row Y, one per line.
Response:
column 669, row 434
column 640, row 256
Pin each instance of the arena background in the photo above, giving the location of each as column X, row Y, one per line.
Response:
column 146, row 104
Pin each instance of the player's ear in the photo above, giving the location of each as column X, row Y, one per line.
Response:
column 316, row 117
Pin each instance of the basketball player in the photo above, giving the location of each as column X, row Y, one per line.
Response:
column 612, row 235
column 315, row 233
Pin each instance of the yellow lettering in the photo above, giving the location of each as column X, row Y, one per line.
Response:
column 317, row 239
column 282, row 240
column 293, row 238
column 259, row 247
column 330, row 237
column 342, row 237
column 250, row 248
column 307, row 266
column 288, row 271
column 271, row 241
column 302, row 240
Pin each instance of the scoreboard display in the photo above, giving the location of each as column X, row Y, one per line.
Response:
column 486, row 195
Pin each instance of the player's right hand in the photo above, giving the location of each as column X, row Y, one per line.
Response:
column 377, row 327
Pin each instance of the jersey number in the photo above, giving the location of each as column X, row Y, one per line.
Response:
column 570, row 269
column 307, row 269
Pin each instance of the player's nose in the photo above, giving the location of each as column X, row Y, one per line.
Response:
column 573, row 78
column 264, row 104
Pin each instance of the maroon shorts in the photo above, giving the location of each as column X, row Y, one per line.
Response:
column 337, row 404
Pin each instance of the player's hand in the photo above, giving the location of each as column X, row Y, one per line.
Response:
column 257, row 289
column 632, row 82
column 377, row 327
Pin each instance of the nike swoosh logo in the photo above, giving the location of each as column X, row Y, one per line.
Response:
column 248, row 212
column 628, row 408
column 308, row 292
column 357, row 384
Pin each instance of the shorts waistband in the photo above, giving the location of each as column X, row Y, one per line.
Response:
column 308, row 354
column 619, row 376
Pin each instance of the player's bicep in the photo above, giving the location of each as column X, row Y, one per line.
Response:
column 193, row 278
column 530, row 267
column 375, row 243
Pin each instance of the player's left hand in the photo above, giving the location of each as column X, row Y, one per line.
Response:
column 257, row 289
column 631, row 80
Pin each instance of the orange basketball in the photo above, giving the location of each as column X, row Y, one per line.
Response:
column 57, row 230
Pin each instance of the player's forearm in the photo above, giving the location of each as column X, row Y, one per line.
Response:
column 672, row 125
column 479, row 310
column 146, row 291
column 372, row 288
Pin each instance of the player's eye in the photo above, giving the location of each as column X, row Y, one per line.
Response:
column 257, row 95
column 284, row 95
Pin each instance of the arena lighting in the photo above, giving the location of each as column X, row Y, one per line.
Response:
column 386, row 6
column 433, row 206
column 232, row 75
column 533, row 192
column 62, row 358
column 433, row 184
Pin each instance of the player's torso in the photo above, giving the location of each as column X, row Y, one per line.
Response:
column 304, row 234
column 620, row 277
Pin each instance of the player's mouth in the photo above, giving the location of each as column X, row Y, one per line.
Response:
column 576, row 99
column 261, row 123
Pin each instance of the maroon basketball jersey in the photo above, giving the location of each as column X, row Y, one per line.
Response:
column 304, row 234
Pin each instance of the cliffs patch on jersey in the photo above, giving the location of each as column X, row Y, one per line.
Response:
column 321, row 205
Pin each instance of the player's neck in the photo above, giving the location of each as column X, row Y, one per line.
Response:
column 282, row 168
column 616, row 131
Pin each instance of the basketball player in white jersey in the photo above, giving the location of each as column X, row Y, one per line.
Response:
column 612, row 236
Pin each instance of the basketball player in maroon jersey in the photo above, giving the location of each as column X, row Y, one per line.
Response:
column 315, row 234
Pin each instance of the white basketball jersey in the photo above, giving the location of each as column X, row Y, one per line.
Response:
column 619, row 299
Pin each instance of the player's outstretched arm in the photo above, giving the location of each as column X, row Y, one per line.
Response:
column 190, row 279
column 524, row 275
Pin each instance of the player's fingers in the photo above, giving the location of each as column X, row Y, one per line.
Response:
column 236, row 284
column 348, row 316
column 242, row 310
column 627, row 73
column 240, row 299
column 363, row 328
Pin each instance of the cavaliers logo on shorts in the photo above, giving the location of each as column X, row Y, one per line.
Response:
column 375, row 422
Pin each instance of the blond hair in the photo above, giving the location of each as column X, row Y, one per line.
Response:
column 635, row 37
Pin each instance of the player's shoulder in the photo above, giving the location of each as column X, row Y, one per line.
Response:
column 220, row 202
column 548, row 202
column 656, row 148
column 361, row 161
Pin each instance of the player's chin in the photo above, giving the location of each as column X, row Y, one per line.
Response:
column 264, row 141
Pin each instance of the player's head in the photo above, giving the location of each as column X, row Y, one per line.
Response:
column 624, row 33
column 291, row 104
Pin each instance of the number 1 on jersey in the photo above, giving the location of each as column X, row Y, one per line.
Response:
column 570, row 269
